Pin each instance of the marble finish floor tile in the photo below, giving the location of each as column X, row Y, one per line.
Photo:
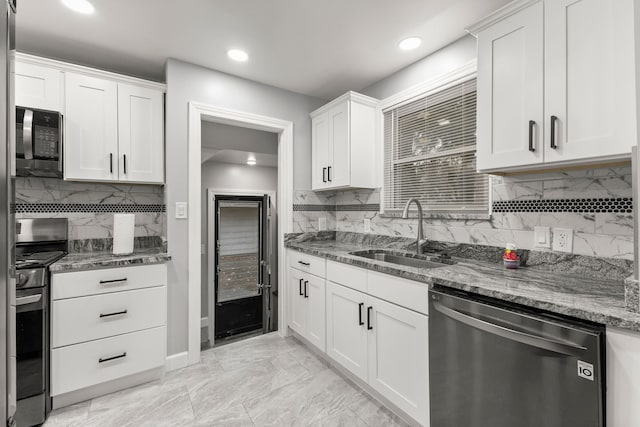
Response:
column 261, row 381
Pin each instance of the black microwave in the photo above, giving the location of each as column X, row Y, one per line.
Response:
column 38, row 142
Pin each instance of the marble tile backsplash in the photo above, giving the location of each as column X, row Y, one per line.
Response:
column 596, row 232
column 90, row 207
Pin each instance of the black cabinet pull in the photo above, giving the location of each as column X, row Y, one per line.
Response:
column 106, row 282
column 306, row 264
column 110, row 162
column 306, row 285
column 117, row 313
column 360, row 322
column 106, row 359
column 324, row 174
column 554, row 119
column 125, row 163
column 300, row 287
column 329, row 173
column 369, row 327
column 531, row 125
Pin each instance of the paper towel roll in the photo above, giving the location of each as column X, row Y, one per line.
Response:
column 123, row 225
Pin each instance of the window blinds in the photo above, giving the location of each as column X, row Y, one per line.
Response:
column 429, row 153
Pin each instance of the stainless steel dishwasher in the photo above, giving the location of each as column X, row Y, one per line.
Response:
column 493, row 364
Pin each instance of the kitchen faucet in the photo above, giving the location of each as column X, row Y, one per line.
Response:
column 420, row 240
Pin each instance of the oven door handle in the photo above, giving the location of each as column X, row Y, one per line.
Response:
column 30, row 299
column 27, row 134
column 568, row 348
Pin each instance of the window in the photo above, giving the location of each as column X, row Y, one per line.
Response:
column 429, row 153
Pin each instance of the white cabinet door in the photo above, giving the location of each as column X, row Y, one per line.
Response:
column 338, row 173
column 91, row 129
column 320, row 151
column 399, row 357
column 141, row 145
column 589, row 62
column 623, row 377
column 297, row 312
column 38, row 87
column 315, row 302
column 346, row 328
column 510, row 91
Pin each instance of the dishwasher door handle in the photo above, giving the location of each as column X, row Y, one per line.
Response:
column 568, row 348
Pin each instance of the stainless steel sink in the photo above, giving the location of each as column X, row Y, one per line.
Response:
column 400, row 258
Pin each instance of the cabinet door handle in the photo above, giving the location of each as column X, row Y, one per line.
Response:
column 125, row 163
column 306, row 286
column 369, row 327
column 300, row 287
column 116, row 313
column 531, row 126
column 106, row 282
column 106, row 359
column 329, row 173
column 554, row 119
column 324, row 174
column 306, row 264
column 110, row 162
column 360, row 321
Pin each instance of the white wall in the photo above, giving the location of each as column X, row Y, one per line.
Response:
column 229, row 177
column 188, row 82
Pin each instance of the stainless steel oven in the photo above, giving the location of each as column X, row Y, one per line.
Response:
column 38, row 142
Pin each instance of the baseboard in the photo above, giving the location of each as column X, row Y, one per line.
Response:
column 177, row 361
column 204, row 322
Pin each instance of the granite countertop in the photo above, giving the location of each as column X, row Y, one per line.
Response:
column 91, row 260
column 593, row 299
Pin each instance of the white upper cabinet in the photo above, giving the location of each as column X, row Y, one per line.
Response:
column 556, row 84
column 141, row 145
column 344, row 143
column 38, row 87
column 91, row 128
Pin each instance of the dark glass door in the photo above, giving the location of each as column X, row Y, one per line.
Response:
column 239, row 270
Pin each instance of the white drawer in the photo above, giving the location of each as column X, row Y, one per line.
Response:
column 347, row 275
column 308, row 263
column 403, row 292
column 76, row 320
column 90, row 282
column 78, row 366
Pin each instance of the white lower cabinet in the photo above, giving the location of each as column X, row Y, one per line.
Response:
column 623, row 377
column 383, row 344
column 106, row 325
column 346, row 328
column 307, row 306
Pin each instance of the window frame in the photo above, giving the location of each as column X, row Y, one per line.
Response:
column 437, row 84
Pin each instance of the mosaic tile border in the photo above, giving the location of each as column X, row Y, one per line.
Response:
column 373, row 207
column 297, row 207
column 604, row 205
column 86, row 208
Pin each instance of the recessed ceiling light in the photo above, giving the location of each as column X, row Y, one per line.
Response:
column 80, row 6
column 251, row 162
column 410, row 43
column 238, row 55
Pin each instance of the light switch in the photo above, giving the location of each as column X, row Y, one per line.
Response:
column 181, row 210
column 322, row 223
column 542, row 237
column 367, row 225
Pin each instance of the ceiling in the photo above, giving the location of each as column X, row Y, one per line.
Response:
column 318, row 48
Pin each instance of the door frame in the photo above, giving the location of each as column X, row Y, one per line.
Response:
column 198, row 112
column 211, row 238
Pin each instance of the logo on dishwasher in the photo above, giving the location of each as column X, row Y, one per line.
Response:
column 585, row 370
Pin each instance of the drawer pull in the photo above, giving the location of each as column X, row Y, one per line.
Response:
column 306, row 264
column 106, row 359
column 117, row 313
column 107, row 282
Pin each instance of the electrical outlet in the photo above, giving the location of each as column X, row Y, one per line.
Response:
column 563, row 239
column 322, row 223
column 367, row 225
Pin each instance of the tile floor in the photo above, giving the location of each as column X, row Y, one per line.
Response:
column 261, row 381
